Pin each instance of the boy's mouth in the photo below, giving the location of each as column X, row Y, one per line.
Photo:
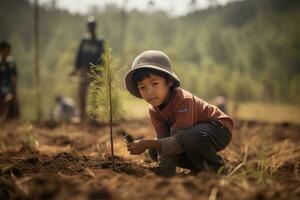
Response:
column 151, row 99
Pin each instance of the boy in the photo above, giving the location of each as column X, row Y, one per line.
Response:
column 9, row 106
column 189, row 131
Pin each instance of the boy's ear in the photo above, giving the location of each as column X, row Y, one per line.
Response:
column 170, row 82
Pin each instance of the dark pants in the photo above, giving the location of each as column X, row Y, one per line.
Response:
column 200, row 144
column 83, row 90
column 9, row 110
column 82, row 96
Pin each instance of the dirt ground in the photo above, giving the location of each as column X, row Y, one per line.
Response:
column 72, row 162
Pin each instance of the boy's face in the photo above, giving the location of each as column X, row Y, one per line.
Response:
column 4, row 52
column 154, row 89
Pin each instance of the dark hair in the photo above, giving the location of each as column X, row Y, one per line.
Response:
column 58, row 98
column 4, row 45
column 141, row 74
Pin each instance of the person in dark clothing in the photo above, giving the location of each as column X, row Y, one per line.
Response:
column 89, row 53
column 9, row 106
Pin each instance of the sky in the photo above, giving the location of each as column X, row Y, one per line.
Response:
column 173, row 7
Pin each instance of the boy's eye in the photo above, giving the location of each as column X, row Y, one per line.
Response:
column 155, row 83
column 141, row 87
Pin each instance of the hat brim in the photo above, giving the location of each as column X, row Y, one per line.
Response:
column 131, row 86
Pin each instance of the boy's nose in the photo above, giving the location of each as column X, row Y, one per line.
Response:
column 149, row 91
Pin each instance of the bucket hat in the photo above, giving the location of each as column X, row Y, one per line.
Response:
column 150, row 59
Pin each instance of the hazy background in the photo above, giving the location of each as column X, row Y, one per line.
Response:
column 247, row 50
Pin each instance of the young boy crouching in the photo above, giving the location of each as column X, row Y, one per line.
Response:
column 189, row 131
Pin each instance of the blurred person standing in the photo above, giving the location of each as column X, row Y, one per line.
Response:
column 90, row 51
column 9, row 106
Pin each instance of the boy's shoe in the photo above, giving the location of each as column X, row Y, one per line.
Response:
column 193, row 172
column 162, row 172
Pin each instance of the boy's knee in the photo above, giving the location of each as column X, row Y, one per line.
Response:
column 190, row 139
column 153, row 154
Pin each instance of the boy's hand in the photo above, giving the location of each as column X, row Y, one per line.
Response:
column 137, row 147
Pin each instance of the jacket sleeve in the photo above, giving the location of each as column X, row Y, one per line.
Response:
column 183, row 118
column 168, row 142
column 170, row 145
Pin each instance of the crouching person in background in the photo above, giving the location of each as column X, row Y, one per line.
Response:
column 65, row 110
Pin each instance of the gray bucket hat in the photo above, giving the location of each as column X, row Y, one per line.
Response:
column 152, row 59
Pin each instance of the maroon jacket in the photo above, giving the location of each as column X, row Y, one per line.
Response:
column 185, row 110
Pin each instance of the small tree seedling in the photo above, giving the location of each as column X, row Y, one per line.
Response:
column 104, row 99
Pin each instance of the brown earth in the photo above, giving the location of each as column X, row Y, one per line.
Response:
column 72, row 162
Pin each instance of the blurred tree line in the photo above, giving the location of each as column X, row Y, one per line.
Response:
column 247, row 50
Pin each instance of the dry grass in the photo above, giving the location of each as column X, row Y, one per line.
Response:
column 264, row 112
column 269, row 112
column 263, row 162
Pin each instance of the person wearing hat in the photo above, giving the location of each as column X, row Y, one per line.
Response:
column 90, row 51
column 189, row 131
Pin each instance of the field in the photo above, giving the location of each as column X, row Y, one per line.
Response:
column 257, row 111
column 72, row 162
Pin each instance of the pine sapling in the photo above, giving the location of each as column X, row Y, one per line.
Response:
column 104, row 99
